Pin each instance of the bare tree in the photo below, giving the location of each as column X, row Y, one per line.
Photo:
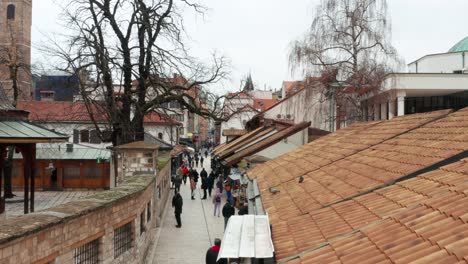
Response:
column 126, row 53
column 348, row 44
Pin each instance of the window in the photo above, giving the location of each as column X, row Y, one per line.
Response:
column 160, row 135
column 94, row 137
column 177, row 117
column 87, row 253
column 123, row 239
column 92, row 172
column 107, row 135
column 71, row 172
column 148, row 211
column 76, row 136
column 142, row 223
column 84, row 134
column 11, row 12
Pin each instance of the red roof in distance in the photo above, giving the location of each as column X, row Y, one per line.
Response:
column 55, row 111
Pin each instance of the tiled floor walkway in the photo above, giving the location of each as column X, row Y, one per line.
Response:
column 199, row 228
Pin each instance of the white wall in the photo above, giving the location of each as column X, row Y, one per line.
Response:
column 430, row 84
column 307, row 105
column 291, row 143
column 258, row 94
column 236, row 121
column 68, row 127
column 439, row 63
column 154, row 130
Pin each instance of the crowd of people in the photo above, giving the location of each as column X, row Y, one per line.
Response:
column 187, row 172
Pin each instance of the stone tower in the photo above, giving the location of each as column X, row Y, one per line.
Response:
column 15, row 46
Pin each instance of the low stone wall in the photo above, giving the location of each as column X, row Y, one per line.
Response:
column 163, row 186
column 116, row 226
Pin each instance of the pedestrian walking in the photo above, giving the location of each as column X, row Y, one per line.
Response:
column 178, row 182
column 194, row 175
column 217, row 203
column 219, row 185
column 177, row 203
column 196, row 160
column 228, row 211
column 201, row 160
column 190, row 160
column 213, row 252
column 204, row 182
column 206, row 153
column 244, row 210
column 185, row 172
column 193, row 187
column 228, row 187
column 210, row 182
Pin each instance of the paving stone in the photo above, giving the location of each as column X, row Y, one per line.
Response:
column 199, row 229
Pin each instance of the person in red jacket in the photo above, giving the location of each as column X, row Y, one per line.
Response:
column 212, row 253
column 185, row 172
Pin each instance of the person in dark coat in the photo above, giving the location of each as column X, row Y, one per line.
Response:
column 196, row 160
column 219, row 185
column 194, row 175
column 211, row 179
column 201, row 160
column 212, row 253
column 177, row 203
column 244, row 210
column 228, row 211
column 204, row 179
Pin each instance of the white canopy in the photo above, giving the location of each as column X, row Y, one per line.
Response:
column 247, row 236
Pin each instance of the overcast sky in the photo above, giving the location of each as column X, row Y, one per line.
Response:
column 256, row 34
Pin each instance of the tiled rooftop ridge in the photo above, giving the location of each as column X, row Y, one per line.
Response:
column 405, row 155
column 337, row 146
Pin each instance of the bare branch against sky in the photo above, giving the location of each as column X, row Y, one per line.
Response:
column 256, row 35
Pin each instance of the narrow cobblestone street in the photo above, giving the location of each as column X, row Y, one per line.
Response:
column 199, row 228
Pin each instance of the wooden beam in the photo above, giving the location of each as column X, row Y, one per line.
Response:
column 32, row 164
column 2, row 162
column 26, row 173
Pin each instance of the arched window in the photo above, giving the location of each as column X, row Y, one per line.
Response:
column 11, row 12
column 160, row 135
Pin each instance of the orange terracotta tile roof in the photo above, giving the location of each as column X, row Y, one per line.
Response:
column 263, row 104
column 371, row 158
column 429, row 226
column 334, row 147
column 329, row 223
column 233, row 132
column 59, row 111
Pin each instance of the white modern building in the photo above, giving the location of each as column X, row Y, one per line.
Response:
column 433, row 82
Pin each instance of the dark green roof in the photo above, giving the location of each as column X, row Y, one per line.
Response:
column 462, row 45
column 26, row 130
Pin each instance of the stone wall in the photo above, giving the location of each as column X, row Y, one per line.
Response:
column 55, row 235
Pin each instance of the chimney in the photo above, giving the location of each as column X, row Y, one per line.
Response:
column 70, row 147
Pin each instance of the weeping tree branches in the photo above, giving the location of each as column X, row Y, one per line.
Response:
column 132, row 60
column 348, row 43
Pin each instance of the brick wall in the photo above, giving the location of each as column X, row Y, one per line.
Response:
column 53, row 235
column 15, row 38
